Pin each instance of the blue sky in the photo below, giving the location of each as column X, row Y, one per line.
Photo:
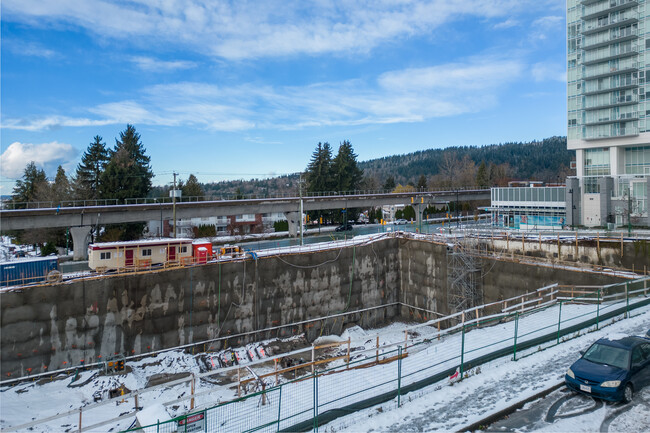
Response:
column 243, row 89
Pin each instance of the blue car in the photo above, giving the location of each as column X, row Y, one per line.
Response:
column 611, row 369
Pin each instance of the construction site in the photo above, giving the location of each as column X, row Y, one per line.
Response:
column 274, row 307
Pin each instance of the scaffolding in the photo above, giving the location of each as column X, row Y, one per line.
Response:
column 464, row 288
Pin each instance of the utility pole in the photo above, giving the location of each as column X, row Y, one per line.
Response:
column 457, row 216
column 629, row 211
column 174, row 205
column 301, row 206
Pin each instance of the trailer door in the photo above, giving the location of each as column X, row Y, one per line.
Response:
column 128, row 258
column 171, row 253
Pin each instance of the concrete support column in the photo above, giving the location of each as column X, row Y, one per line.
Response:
column 419, row 208
column 573, row 200
column 80, row 237
column 606, row 185
column 293, row 218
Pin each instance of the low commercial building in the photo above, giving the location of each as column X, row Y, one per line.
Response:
column 529, row 207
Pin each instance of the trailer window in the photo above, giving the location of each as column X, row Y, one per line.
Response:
column 146, row 252
column 184, row 249
column 105, row 256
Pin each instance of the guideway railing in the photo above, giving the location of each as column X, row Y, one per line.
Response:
column 516, row 327
column 52, row 204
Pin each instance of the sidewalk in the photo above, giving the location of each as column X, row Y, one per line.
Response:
column 499, row 384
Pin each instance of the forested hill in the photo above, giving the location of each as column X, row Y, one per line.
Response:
column 547, row 160
column 544, row 160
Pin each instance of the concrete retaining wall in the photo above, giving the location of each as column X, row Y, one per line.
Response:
column 87, row 320
column 606, row 252
column 424, row 278
column 51, row 327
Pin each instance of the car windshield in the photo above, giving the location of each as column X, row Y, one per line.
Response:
column 614, row 356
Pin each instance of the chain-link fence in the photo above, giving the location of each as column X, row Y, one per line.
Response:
column 385, row 373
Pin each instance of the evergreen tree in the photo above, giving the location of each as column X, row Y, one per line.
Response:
column 346, row 172
column 482, row 176
column 390, row 185
column 192, row 188
column 422, row 183
column 30, row 187
column 61, row 189
column 90, row 169
column 319, row 169
column 128, row 173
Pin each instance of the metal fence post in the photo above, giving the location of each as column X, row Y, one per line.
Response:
column 627, row 300
column 462, row 352
column 597, row 308
column 559, row 323
column 279, row 408
column 399, row 374
column 516, row 329
column 316, row 402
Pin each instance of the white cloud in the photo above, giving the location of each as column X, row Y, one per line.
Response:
column 45, row 155
column 409, row 95
column 29, row 49
column 548, row 72
column 542, row 27
column 150, row 64
column 51, row 122
column 478, row 74
column 506, row 24
column 252, row 29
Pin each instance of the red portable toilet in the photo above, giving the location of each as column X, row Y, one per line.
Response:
column 202, row 251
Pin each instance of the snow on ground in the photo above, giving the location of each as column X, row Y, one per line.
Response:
column 500, row 383
column 495, row 386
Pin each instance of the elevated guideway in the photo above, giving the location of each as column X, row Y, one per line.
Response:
column 81, row 218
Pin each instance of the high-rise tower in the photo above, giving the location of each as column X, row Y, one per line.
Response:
column 608, row 111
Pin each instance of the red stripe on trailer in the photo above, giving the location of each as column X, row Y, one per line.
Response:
column 96, row 247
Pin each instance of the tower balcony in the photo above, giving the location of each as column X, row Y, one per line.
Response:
column 608, row 87
column 595, row 26
column 601, row 40
column 592, row 57
column 594, row 8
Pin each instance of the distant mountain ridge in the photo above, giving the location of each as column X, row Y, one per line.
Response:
column 547, row 160
column 544, row 160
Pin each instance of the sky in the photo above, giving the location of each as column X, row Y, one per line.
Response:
column 241, row 89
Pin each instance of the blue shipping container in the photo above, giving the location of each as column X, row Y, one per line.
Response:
column 26, row 271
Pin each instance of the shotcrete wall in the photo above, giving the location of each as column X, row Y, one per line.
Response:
column 596, row 251
column 424, row 278
column 46, row 328
column 84, row 321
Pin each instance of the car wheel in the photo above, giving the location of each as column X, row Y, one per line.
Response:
column 628, row 393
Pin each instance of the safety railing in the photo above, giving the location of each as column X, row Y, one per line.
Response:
column 386, row 373
column 302, row 397
column 11, row 205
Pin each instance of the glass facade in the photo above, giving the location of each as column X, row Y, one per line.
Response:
column 526, row 208
column 608, row 106
column 637, row 160
column 596, row 162
column 605, row 60
column 539, row 195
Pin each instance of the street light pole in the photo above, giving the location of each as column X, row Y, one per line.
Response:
column 629, row 211
column 572, row 208
column 301, row 209
column 457, row 217
column 174, row 205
